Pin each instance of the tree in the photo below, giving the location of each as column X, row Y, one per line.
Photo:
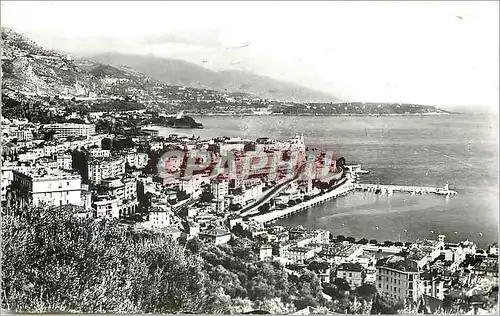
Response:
column 342, row 284
column 351, row 239
column 373, row 241
column 194, row 245
column 234, row 207
column 206, row 196
column 107, row 144
column 49, row 135
column 341, row 238
column 388, row 243
column 363, row 241
column 398, row 244
column 264, row 208
column 333, row 291
column 182, row 195
column 78, row 265
column 366, row 290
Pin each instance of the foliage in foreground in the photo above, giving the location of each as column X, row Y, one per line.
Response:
column 53, row 262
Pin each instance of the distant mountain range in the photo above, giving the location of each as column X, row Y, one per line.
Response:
column 174, row 85
column 182, row 73
column 28, row 67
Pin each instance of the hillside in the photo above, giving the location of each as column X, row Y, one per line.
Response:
column 30, row 68
column 33, row 70
column 182, row 73
column 30, row 71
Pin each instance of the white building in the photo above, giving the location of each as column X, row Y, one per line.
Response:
column 192, row 184
column 299, row 254
column 107, row 207
column 44, row 185
column 71, row 129
column 137, row 160
column 433, row 286
column 159, row 217
column 220, row 188
column 99, row 169
column 494, row 249
column 265, row 251
column 99, row 153
column 7, row 177
column 64, row 161
column 125, row 190
column 23, row 135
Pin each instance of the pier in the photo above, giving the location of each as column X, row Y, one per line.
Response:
column 342, row 190
column 388, row 189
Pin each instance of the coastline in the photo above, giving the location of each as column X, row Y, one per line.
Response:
column 310, row 114
column 341, row 190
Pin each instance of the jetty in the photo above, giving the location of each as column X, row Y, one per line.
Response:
column 389, row 189
column 341, row 190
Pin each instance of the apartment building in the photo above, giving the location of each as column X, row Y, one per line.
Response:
column 44, row 185
column 23, row 135
column 353, row 273
column 104, row 168
column 137, row 160
column 398, row 278
column 220, row 188
column 125, row 190
column 7, row 177
column 99, row 153
column 300, row 254
column 64, row 161
column 159, row 216
column 107, row 207
column 71, row 129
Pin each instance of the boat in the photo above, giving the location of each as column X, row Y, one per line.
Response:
column 360, row 171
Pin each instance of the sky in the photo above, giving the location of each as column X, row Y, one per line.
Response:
column 436, row 53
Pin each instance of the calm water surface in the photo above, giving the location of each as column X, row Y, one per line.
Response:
column 411, row 150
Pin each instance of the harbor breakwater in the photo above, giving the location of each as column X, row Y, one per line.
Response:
column 341, row 190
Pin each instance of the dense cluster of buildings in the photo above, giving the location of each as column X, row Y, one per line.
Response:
column 410, row 272
column 74, row 169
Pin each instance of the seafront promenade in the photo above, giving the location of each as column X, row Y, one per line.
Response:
column 341, row 190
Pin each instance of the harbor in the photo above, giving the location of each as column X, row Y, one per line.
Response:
column 347, row 187
column 342, row 190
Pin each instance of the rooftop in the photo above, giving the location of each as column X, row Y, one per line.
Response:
column 398, row 263
column 349, row 266
column 216, row 232
column 339, row 249
column 49, row 173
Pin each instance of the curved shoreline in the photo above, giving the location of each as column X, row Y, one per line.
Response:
column 342, row 189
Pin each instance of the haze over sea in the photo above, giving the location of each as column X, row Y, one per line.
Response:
column 406, row 150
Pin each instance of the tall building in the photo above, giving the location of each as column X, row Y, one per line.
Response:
column 220, row 188
column 398, row 279
column 71, row 129
column 6, row 178
column 104, row 168
column 44, row 185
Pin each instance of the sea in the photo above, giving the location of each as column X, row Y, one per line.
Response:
column 458, row 149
